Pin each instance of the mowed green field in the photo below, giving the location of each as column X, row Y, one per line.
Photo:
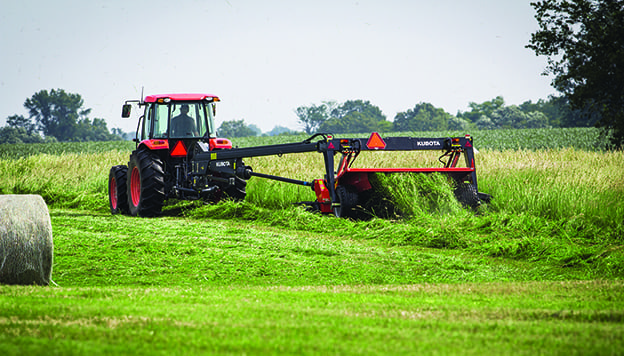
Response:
column 539, row 270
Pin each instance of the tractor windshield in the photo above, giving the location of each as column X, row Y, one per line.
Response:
column 184, row 120
column 189, row 119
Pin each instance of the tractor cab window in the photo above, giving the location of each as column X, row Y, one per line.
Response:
column 144, row 123
column 210, row 112
column 161, row 119
column 188, row 119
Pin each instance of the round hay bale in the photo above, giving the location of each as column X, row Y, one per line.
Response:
column 26, row 248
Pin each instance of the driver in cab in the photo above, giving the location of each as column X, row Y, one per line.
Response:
column 183, row 125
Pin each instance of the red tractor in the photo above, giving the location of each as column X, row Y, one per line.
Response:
column 178, row 155
column 171, row 124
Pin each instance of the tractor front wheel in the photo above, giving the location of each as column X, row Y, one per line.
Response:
column 117, row 190
column 146, row 188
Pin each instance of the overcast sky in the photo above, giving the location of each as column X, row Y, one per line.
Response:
column 266, row 58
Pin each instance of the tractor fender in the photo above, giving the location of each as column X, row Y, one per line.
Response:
column 154, row 144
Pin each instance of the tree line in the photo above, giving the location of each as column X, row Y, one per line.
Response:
column 55, row 115
column 359, row 116
column 238, row 128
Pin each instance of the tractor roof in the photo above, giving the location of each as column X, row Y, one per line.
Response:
column 179, row 97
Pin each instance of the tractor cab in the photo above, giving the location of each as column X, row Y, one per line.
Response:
column 169, row 118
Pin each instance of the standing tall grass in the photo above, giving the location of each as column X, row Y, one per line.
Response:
column 556, row 184
column 69, row 180
column 22, row 150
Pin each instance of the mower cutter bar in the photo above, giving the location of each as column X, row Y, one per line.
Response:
column 411, row 170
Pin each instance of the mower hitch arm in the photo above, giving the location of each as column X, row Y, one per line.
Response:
column 282, row 179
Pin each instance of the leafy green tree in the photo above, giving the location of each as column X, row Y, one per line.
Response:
column 60, row 116
column 256, row 130
column 126, row 136
column 486, row 108
column 560, row 113
column 311, row 117
column 358, row 106
column 423, row 117
column 95, row 130
column 355, row 122
column 12, row 134
column 235, row 128
column 279, row 130
column 536, row 120
column 511, row 117
column 356, row 116
column 57, row 113
column 485, row 123
column 584, row 43
column 508, row 117
column 19, row 130
column 494, row 114
column 18, row 121
column 456, row 123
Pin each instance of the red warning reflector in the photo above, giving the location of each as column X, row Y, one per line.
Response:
column 179, row 150
column 331, row 146
column 375, row 142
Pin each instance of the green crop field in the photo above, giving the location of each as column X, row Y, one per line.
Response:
column 588, row 139
column 539, row 270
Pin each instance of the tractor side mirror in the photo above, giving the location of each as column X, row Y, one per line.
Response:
column 125, row 111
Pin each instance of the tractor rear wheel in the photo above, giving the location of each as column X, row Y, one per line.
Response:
column 146, row 188
column 347, row 197
column 117, row 190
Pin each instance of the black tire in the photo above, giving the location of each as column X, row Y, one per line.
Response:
column 466, row 194
column 118, row 190
column 146, row 184
column 237, row 192
column 347, row 197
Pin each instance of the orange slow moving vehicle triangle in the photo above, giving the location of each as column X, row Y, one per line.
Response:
column 179, row 150
column 375, row 142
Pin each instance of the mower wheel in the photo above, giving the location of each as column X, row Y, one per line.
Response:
column 347, row 197
column 466, row 194
column 117, row 190
column 237, row 192
column 146, row 188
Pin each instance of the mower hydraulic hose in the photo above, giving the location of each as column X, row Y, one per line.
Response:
column 282, row 179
